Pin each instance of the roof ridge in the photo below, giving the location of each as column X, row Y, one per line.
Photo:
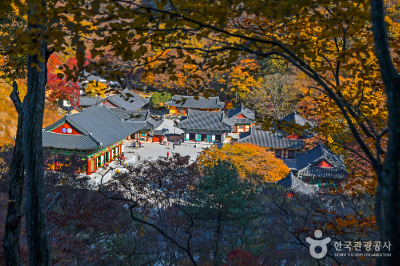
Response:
column 114, row 114
column 56, row 123
column 112, row 101
column 69, row 120
column 90, row 134
column 148, row 115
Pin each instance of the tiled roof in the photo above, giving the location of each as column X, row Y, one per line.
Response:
column 306, row 163
column 97, row 123
column 314, row 171
column 70, row 142
column 297, row 119
column 293, row 183
column 270, row 140
column 291, row 164
column 127, row 100
column 137, row 116
column 233, row 121
column 191, row 102
column 128, row 115
column 155, row 123
column 204, row 120
column 230, row 122
column 247, row 112
column 87, row 101
column 69, row 108
column 159, row 132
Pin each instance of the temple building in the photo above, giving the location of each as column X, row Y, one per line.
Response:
column 89, row 101
column 295, row 118
column 126, row 100
column 241, row 119
column 181, row 104
column 200, row 126
column 296, row 185
column 320, row 166
column 95, row 135
column 283, row 148
column 148, row 133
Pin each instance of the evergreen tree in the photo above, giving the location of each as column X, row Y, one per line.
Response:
column 221, row 201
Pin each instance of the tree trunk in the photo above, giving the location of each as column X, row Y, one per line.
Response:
column 389, row 173
column 217, row 255
column 13, row 221
column 34, row 101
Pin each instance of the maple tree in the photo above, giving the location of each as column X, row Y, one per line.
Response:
column 59, row 89
column 241, row 82
column 187, row 75
column 252, row 161
column 169, row 70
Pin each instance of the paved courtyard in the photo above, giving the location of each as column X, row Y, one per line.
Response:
column 149, row 151
column 152, row 151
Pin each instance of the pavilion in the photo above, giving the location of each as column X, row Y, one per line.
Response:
column 95, row 135
column 180, row 104
column 200, row 126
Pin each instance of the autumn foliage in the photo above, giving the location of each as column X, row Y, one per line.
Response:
column 250, row 160
column 60, row 88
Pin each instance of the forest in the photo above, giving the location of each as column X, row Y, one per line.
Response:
column 334, row 62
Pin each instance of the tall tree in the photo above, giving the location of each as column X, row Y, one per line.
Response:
column 46, row 21
column 17, row 174
column 224, row 199
column 39, row 252
column 276, row 96
column 388, row 196
column 10, row 23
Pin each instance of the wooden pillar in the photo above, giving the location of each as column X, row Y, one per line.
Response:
column 88, row 169
column 284, row 154
column 95, row 163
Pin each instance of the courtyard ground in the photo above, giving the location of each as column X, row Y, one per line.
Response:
column 153, row 151
column 149, row 151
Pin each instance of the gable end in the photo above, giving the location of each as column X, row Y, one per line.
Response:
column 324, row 163
column 65, row 128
